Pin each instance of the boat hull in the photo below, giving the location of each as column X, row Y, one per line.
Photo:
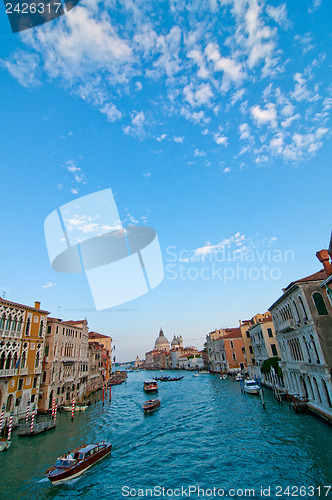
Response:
column 57, row 475
column 77, row 408
column 4, row 444
column 150, row 408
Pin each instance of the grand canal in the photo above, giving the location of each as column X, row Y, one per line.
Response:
column 206, row 434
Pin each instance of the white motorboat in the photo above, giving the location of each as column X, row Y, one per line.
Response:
column 251, row 386
column 238, row 377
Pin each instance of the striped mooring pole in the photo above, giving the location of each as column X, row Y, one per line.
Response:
column 73, row 410
column 32, row 418
column 10, row 425
column 27, row 413
column 55, row 410
column 2, row 415
column 53, row 407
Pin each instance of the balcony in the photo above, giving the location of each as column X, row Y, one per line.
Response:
column 11, row 334
column 8, row 372
column 287, row 326
column 24, row 371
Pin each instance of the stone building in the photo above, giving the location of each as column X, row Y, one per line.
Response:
column 264, row 344
column 225, row 350
column 22, row 333
column 65, row 363
column 162, row 343
column 302, row 317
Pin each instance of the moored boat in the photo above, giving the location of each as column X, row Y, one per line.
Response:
column 77, row 408
column 238, row 377
column 251, row 386
column 74, row 463
column 150, row 385
column 151, row 405
column 4, row 444
column 175, row 379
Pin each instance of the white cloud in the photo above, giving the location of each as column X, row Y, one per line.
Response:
column 161, row 137
column 74, row 191
column 197, row 152
column 49, row 284
column 265, row 116
column 226, row 170
column 301, row 91
column 198, row 57
column 178, row 139
column 24, row 67
column 136, row 129
column 220, row 139
column 199, row 96
column 244, row 131
column 148, row 174
column 231, row 69
column 278, row 14
column 286, row 123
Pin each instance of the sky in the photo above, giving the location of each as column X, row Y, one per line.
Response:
column 210, row 122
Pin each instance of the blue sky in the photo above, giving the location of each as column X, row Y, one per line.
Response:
column 210, row 122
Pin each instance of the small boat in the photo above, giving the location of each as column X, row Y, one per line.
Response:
column 151, row 405
column 77, row 408
column 175, row 379
column 74, row 463
column 162, row 379
column 223, row 377
column 4, row 444
column 204, row 372
column 150, row 385
column 238, row 377
column 251, row 386
column 38, row 428
column 196, row 374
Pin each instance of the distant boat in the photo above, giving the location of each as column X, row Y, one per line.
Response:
column 251, row 386
column 150, row 385
column 204, row 372
column 162, row 379
column 4, row 444
column 196, row 374
column 238, row 377
column 151, row 405
column 175, row 379
column 223, row 377
column 74, row 463
column 77, row 408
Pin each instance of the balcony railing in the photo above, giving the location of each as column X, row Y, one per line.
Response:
column 8, row 372
column 10, row 334
column 24, row 371
column 287, row 326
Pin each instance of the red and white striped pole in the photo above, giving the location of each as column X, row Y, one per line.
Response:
column 32, row 418
column 73, row 410
column 53, row 406
column 55, row 410
column 10, row 425
column 2, row 416
column 27, row 413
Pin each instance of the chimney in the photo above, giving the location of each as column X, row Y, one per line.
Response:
column 37, row 305
column 324, row 258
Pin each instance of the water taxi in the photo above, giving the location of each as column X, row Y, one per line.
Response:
column 150, row 385
column 74, row 463
column 251, row 386
column 4, row 444
column 151, row 405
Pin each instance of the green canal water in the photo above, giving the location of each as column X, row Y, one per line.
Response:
column 206, row 435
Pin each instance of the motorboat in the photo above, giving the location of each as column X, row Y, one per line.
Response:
column 251, row 386
column 238, row 377
column 74, row 463
column 196, row 374
column 175, row 379
column 150, row 385
column 151, row 405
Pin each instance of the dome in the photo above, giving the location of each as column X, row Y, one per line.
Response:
column 161, row 341
column 175, row 341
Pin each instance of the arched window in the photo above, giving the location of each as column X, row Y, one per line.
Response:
column 296, row 310
column 27, row 328
column 2, row 322
column 37, row 360
column 328, row 399
column 313, row 344
column 319, row 303
column 8, row 361
column 317, row 390
column 303, row 309
column 23, row 360
column 2, row 360
column 41, row 326
column 9, row 319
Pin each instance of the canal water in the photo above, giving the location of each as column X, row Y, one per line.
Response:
column 206, row 435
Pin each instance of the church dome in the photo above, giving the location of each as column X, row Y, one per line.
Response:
column 161, row 341
column 175, row 341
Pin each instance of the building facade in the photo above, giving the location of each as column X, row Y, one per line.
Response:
column 22, row 334
column 303, row 324
column 65, row 363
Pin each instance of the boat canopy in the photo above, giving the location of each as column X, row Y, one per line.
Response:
column 150, row 381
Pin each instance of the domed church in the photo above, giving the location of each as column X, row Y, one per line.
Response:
column 177, row 342
column 161, row 342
